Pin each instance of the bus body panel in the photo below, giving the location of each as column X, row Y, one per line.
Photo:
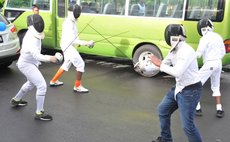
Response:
column 131, row 33
column 121, row 35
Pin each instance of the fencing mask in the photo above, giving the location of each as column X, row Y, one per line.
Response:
column 76, row 9
column 36, row 25
column 204, row 25
column 37, row 22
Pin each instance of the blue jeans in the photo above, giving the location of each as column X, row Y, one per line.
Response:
column 185, row 102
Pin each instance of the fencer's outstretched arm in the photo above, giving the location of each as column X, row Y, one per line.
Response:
column 43, row 58
column 77, row 41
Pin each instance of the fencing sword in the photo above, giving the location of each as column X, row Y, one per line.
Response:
column 104, row 38
column 78, row 34
column 111, row 36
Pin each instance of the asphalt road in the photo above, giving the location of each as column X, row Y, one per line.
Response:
column 120, row 107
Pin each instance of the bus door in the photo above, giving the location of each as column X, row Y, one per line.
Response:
column 61, row 14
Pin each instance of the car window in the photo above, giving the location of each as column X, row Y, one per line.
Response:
column 4, row 20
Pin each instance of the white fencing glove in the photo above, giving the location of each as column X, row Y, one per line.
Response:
column 90, row 44
column 53, row 59
column 59, row 57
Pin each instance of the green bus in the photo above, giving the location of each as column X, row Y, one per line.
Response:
column 124, row 28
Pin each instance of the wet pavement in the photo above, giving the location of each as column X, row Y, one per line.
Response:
column 120, row 107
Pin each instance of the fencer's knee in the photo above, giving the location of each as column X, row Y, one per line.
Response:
column 41, row 89
column 27, row 87
column 81, row 67
column 65, row 67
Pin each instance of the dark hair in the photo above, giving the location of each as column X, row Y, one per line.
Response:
column 35, row 6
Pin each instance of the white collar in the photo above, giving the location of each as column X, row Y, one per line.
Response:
column 35, row 33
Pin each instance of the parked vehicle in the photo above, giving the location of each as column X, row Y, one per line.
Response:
column 9, row 42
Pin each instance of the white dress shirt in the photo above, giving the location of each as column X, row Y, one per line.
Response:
column 182, row 64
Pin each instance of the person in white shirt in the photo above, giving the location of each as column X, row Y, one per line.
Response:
column 211, row 48
column 141, row 5
column 28, row 63
column 181, row 62
column 70, row 37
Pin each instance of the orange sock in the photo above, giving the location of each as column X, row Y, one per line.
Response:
column 77, row 83
column 57, row 75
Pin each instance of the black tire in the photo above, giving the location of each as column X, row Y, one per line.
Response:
column 5, row 65
column 141, row 53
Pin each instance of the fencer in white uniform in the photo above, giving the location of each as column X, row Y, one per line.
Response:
column 28, row 64
column 69, row 39
column 211, row 48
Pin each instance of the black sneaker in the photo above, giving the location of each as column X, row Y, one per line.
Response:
column 159, row 139
column 199, row 112
column 43, row 116
column 18, row 103
column 219, row 113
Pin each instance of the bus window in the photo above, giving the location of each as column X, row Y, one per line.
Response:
column 61, row 8
column 114, row 7
column 170, row 9
column 138, row 8
column 111, row 7
column 27, row 4
column 174, row 8
column 156, row 8
column 72, row 2
column 134, row 10
column 149, row 9
column 89, row 6
column 85, row 8
column 94, row 7
column 43, row 4
column 212, row 9
column 161, row 11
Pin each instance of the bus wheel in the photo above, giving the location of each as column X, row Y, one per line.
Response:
column 21, row 35
column 142, row 54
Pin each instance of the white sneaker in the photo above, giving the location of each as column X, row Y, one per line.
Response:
column 80, row 89
column 57, row 83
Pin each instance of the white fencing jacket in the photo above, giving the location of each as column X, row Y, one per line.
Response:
column 31, row 48
column 70, row 34
column 211, row 47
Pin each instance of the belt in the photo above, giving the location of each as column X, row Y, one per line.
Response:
column 193, row 86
